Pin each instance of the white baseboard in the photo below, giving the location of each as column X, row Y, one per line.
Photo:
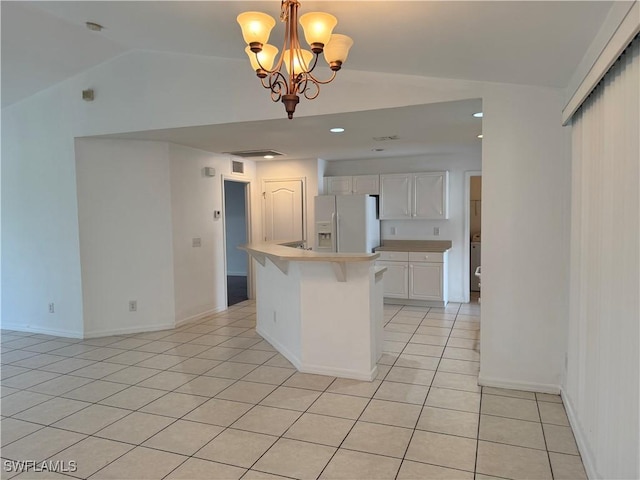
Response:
column 511, row 385
column 581, row 439
column 114, row 331
column 340, row 372
column 198, row 316
column 414, row 303
column 47, row 331
column 317, row 369
column 129, row 330
column 279, row 347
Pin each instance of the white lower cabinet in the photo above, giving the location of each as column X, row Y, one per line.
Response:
column 425, row 281
column 416, row 277
column 396, row 281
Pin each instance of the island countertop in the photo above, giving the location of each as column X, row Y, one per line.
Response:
column 282, row 253
column 434, row 246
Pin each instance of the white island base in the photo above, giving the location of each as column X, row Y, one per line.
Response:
column 322, row 311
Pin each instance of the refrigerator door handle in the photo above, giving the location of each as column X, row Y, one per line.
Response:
column 334, row 238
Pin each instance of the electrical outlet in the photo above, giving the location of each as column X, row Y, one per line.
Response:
column 196, row 242
column 52, row 308
column 393, row 230
column 133, row 305
column 436, row 231
column 274, row 317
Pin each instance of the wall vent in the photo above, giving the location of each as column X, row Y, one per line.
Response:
column 237, row 167
column 387, row 138
column 255, row 153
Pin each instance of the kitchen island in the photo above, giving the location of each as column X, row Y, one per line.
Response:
column 322, row 311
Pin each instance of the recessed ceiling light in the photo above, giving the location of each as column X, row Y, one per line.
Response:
column 268, row 157
column 96, row 27
column 478, row 114
column 336, row 130
column 480, row 136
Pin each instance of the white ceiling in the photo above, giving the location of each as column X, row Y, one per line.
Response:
column 536, row 42
column 525, row 42
column 435, row 129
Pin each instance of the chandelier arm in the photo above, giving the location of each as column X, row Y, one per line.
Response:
column 308, row 93
column 323, row 82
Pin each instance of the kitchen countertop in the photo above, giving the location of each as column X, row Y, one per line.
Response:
column 285, row 254
column 435, row 246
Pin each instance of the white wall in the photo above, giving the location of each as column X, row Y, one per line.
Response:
column 199, row 272
column 40, row 243
column 235, row 227
column 525, row 169
column 124, row 211
column 526, row 186
column 451, row 229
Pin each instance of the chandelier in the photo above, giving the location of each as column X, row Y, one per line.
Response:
column 299, row 63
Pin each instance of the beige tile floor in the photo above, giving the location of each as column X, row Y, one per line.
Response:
column 213, row 400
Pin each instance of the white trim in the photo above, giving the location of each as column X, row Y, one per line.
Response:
column 466, row 259
column 199, row 316
column 47, row 331
column 578, row 433
column 511, row 385
column 128, row 330
column 340, row 372
column 627, row 29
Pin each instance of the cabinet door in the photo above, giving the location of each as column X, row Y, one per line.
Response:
column 430, row 195
column 395, row 279
column 366, row 184
column 395, row 196
column 338, row 185
column 425, row 281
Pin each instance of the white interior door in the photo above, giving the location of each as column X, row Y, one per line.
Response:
column 283, row 211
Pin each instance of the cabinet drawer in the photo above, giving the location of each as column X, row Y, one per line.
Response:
column 430, row 257
column 394, row 256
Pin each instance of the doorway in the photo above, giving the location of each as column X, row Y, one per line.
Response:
column 236, row 233
column 473, row 234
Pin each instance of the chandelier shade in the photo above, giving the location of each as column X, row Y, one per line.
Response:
column 256, row 27
column 317, row 27
column 292, row 73
column 301, row 60
column 337, row 50
column 263, row 59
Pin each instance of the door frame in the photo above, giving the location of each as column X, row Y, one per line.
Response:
column 304, row 202
column 247, row 212
column 466, row 277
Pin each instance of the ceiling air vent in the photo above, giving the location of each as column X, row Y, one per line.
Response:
column 237, row 166
column 387, row 138
column 255, row 153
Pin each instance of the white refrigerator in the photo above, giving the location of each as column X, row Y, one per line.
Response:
column 346, row 223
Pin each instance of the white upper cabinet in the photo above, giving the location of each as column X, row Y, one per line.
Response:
column 366, row 184
column 339, row 185
column 430, row 195
column 356, row 184
column 395, row 196
column 414, row 195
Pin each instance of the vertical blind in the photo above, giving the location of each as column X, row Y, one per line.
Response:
column 602, row 376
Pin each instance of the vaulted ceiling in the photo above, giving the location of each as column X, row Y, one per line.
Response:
column 522, row 42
